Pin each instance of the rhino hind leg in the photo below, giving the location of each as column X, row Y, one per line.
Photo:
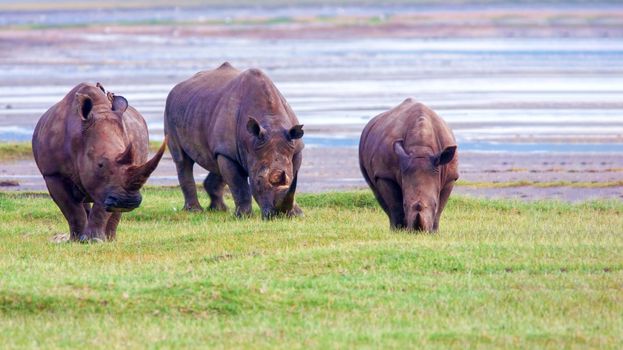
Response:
column 62, row 190
column 236, row 179
column 215, row 186
column 389, row 196
column 184, row 166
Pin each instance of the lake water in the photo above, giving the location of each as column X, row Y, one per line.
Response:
column 513, row 95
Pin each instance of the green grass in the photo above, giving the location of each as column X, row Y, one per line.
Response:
column 498, row 274
column 15, row 151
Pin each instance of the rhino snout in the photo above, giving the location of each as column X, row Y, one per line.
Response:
column 121, row 203
column 419, row 216
column 419, row 222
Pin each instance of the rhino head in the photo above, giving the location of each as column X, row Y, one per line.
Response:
column 111, row 169
column 272, row 164
column 421, row 183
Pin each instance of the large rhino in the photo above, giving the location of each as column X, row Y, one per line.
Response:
column 408, row 157
column 91, row 147
column 240, row 128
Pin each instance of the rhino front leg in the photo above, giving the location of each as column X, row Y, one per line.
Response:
column 443, row 200
column 289, row 206
column 236, row 179
column 111, row 226
column 389, row 196
column 96, row 227
column 61, row 190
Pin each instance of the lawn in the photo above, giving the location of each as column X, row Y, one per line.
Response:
column 498, row 274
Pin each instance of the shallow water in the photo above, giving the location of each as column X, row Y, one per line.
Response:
column 512, row 94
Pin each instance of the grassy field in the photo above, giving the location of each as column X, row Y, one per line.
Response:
column 498, row 274
column 16, row 151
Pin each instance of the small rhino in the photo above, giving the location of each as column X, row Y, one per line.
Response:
column 408, row 157
column 91, row 147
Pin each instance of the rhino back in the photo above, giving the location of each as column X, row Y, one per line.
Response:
column 53, row 135
column 208, row 112
column 191, row 112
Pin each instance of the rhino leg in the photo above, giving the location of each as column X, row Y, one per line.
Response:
column 389, row 195
column 61, row 190
column 289, row 207
column 236, row 178
column 96, row 227
column 443, row 199
column 184, row 166
column 111, row 226
column 215, row 186
column 87, row 208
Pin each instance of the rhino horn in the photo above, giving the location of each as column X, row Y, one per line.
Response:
column 126, row 156
column 138, row 175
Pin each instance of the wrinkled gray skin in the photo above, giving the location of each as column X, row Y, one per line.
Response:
column 408, row 157
column 91, row 147
column 239, row 127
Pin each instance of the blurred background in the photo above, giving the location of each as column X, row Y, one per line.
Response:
column 523, row 83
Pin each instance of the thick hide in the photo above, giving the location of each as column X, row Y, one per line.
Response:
column 91, row 147
column 408, row 157
column 238, row 126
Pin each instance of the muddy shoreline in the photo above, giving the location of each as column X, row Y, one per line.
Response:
column 336, row 169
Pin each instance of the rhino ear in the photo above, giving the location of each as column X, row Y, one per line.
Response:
column 85, row 105
column 119, row 104
column 445, row 156
column 399, row 149
column 296, row 132
column 254, row 128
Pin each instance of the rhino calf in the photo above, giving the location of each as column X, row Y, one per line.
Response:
column 91, row 147
column 408, row 157
column 240, row 128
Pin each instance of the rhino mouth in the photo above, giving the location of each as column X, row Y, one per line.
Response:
column 122, row 204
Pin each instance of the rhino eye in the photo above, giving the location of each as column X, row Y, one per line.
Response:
column 100, row 165
column 260, row 141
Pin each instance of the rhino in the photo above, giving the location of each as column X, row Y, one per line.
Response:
column 408, row 156
column 91, row 147
column 239, row 127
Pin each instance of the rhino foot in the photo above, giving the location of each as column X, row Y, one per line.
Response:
column 243, row 212
column 193, row 208
column 218, row 206
column 296, row 211
column 88, row 240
